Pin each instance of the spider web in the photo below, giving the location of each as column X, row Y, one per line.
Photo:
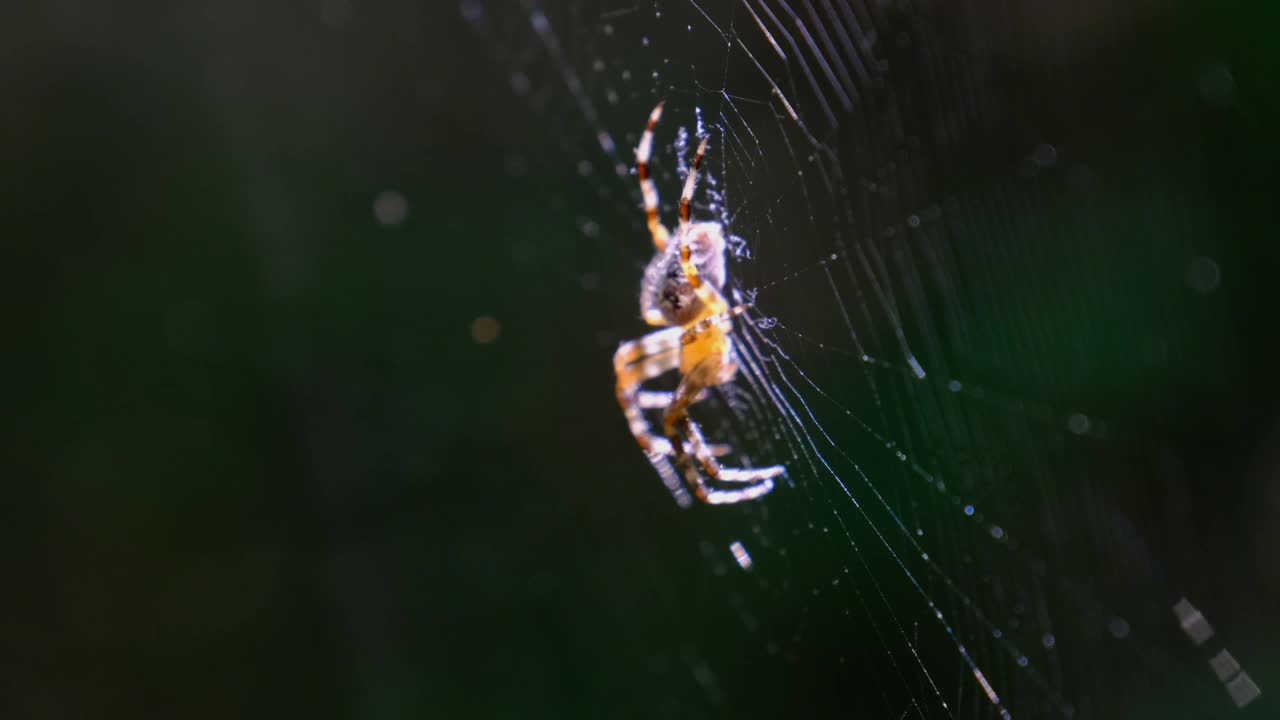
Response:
column 962, row 324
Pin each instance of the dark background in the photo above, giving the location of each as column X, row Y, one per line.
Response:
column 260, row 466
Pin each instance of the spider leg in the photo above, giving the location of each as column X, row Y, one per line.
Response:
column 709, row 296
column 647, row 188
column 635, row 362
column 728, row 368
column 653, row 399
column 658, row 400
column 700, row 328
column 680, row 429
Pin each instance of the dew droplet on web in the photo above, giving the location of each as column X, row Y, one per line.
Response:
column 519, row 83
column 390, row 208
column 485, row 330
column 590, row 228
column 1078, row 423
column 916, row 368
column 515, row 165
column 1045, row 155
column 1203, row 275
column 1216, row 84
column 472, row 10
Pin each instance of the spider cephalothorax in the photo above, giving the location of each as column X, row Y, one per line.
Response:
column 681, row 290
column 665, row 288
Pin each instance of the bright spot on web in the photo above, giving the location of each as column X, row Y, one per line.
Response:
column 390, row 208
column 485, row 330
column 1203, row 275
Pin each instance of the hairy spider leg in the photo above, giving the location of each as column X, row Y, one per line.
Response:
column 635, row 362
column 720, row 320
column 690, row 336
column 638, row 361
column 647, row 187
column 680, row 428
column 712, row 301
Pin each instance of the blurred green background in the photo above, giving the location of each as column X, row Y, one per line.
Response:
column 262, row 465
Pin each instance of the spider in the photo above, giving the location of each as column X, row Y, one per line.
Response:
column 681, row 292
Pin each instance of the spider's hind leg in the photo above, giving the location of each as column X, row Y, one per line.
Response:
column 635, row 362
column 681, row 429
column 661, row 400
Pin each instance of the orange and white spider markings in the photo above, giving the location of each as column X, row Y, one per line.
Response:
column 681, row 291
column 647, row 188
